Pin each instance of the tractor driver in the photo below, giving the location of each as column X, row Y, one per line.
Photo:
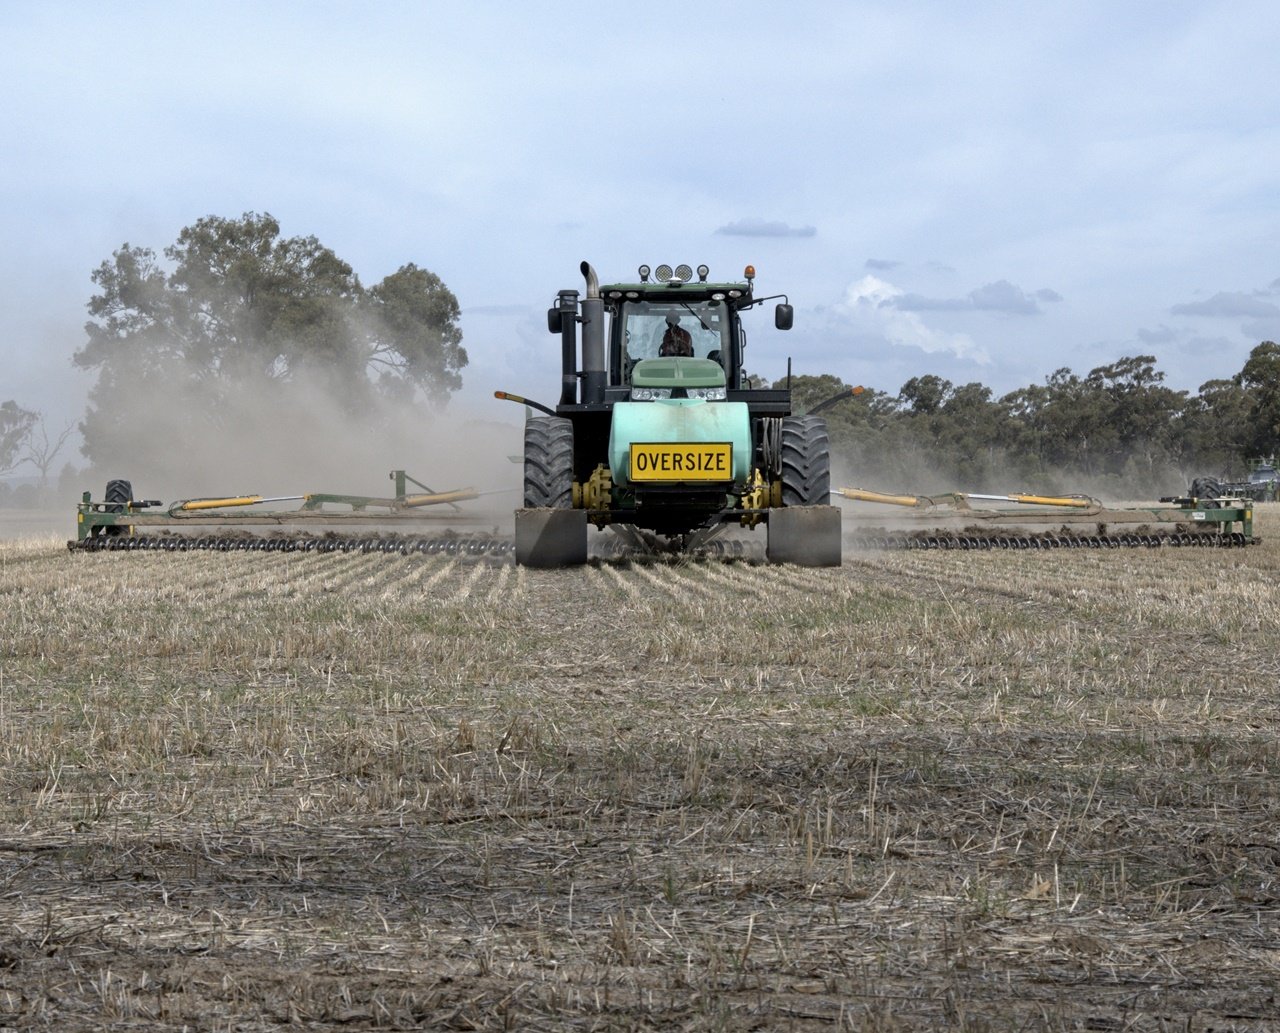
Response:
column 676, row 340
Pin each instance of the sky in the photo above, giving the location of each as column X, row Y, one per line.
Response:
column 982, row 191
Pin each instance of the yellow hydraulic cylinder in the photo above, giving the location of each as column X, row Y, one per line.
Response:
column 238, row 500
column 1053, row 500
column 441, row 497
column 862, row 495
column 961, row 499
column 241, row 500
column 1036, row 500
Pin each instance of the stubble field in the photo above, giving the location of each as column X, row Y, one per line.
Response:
column 967, row 790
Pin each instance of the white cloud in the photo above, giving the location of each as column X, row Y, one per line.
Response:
column 870, row 306
column 751, row 227
column 1000, row 296
column 1266, row 329
column 1163, row 334
column 1228, row 305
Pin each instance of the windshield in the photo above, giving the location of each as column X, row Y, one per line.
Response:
column 645, row 323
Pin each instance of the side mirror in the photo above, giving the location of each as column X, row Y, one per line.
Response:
column 782, row 316
column 554, row 323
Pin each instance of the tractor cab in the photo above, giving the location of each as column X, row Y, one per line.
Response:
column 670, row 315
column 1264, row 471
column 664, row 314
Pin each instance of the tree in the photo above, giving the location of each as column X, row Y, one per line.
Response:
column 1119, row 428
column 970, row 432
column 925, row 395
column 15, row 431
column 808, row 391
column 235, row 312
column 1075, row 423
column 1142, row 412
column 42, row 450
column 416, row 337
column 1215, row 430
column 1261, row 378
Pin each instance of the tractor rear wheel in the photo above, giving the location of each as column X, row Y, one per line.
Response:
column 548, row 463
column 806, row 461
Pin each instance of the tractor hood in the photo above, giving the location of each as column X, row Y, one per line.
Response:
column 675, row 372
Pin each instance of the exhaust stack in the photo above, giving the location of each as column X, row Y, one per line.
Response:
column 594, row 374
column 564, row 317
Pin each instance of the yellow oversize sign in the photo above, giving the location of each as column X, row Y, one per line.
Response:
column 682, row 461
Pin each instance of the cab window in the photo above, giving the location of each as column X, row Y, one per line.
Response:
column 645, row 322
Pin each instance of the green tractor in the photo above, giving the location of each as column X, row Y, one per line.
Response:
column 659, row 433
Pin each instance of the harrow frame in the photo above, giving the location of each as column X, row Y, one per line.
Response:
column 110, row 519
column 1180, row 521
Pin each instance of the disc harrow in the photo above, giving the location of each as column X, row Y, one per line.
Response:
column 464, row 547
column 395, row 525
column 983, row 540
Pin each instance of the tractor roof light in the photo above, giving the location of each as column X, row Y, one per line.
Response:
column 662, row 273
column 703, row 272
column 644, row 274
column 750, row 273
column 683, row 273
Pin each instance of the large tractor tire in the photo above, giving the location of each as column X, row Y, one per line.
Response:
column 806, row 461
column 548, row 463
column 806, row 529
column 550, row 533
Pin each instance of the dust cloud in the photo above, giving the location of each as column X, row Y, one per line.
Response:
column 916, row 473
column 302, row 436
column 918, row 476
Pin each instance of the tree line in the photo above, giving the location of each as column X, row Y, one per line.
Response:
column 1119, row 428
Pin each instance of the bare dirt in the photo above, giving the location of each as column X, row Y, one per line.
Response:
column 952, row 790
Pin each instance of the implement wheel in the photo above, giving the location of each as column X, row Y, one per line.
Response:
column 548, row 463
column 1206, row 488
column 118, row 495
column 806, row 461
